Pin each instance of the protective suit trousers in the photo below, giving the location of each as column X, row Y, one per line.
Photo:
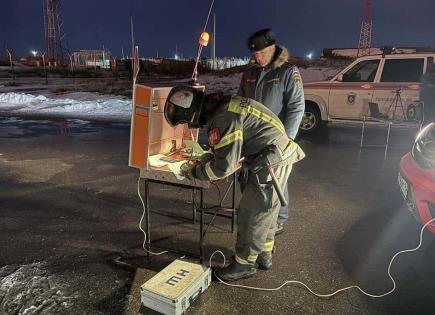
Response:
column 257, row 214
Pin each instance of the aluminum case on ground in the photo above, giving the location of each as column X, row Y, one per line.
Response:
column 176, row 287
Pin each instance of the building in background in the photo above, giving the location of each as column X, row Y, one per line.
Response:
column 92, row 58
column 224, row 63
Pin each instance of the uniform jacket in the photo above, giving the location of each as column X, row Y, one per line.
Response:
column 242, row 128
column 279, row 87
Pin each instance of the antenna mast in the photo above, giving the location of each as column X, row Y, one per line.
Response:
column 54, row 34
column 365, row 37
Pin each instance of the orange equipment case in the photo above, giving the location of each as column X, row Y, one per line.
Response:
column 150, row 133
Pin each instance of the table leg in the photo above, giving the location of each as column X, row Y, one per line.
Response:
column 362, row 133
column 147, row 215
column 193, row 206
column 201, row 225
column 387, row 140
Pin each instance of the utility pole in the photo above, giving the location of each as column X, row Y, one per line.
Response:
column 104, row 58
column 213, row 43
column 132, row 45
column 132, row 36
column 365, row 38
column 71, row 65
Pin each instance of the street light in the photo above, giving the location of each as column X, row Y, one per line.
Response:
column 310, row 55
column 34, row 53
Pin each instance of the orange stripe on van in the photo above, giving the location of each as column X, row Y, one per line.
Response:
column 357, row 86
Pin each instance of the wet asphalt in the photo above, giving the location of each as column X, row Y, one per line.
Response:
column 69, row 199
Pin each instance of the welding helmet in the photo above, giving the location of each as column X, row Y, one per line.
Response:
column 183, row 106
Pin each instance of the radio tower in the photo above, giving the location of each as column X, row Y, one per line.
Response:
column 53, row 30
column 365, row 37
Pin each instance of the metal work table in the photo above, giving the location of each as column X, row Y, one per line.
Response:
column 168, row 178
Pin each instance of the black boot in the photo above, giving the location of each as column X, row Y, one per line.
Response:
column 264, row 260
column 236, row 271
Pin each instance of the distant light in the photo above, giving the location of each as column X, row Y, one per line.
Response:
column 34, row 53
column 310, row 55
column 176, row 57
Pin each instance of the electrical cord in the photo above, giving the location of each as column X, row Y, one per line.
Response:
column 140, row 223
column 335, row 292
column 288, row 281
column 143, row 215
column 216, row 208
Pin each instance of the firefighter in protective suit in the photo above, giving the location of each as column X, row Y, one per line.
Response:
column 240, row 129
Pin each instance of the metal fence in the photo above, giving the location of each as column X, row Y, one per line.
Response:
column 224, row 63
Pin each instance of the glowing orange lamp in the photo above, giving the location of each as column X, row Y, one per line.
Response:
column 204, row 38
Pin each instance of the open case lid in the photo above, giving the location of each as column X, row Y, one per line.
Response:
column 150, row 132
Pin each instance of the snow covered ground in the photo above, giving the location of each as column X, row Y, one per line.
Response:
column 82, row 105
column 93, row 106
column 31, row 289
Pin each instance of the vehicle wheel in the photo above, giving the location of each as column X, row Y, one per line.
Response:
column 311, row 120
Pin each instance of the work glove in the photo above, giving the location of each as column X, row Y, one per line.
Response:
column 187, row 170
column 206, row 157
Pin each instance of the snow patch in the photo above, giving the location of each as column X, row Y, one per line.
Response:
column 20, row 98
column 96, row 106
column 31, row 289
column 36, row 171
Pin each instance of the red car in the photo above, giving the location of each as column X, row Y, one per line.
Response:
column 417, row 176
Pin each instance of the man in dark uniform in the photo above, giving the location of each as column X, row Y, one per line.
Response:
column 427, row 93
column 274, row 82
column 240, row 128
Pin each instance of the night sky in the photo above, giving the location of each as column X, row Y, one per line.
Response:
column 302, row 26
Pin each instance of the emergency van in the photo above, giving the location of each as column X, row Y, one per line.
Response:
column 391, row 81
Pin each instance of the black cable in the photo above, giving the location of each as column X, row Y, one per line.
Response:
column 213, row 207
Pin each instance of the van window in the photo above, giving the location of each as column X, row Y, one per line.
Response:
column 402, row 70
column 364, row 71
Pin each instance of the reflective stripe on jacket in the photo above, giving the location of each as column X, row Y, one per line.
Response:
column 242, row 128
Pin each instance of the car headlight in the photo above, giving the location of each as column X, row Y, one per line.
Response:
column 424, row 147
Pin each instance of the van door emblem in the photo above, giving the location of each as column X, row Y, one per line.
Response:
column 351, row 99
